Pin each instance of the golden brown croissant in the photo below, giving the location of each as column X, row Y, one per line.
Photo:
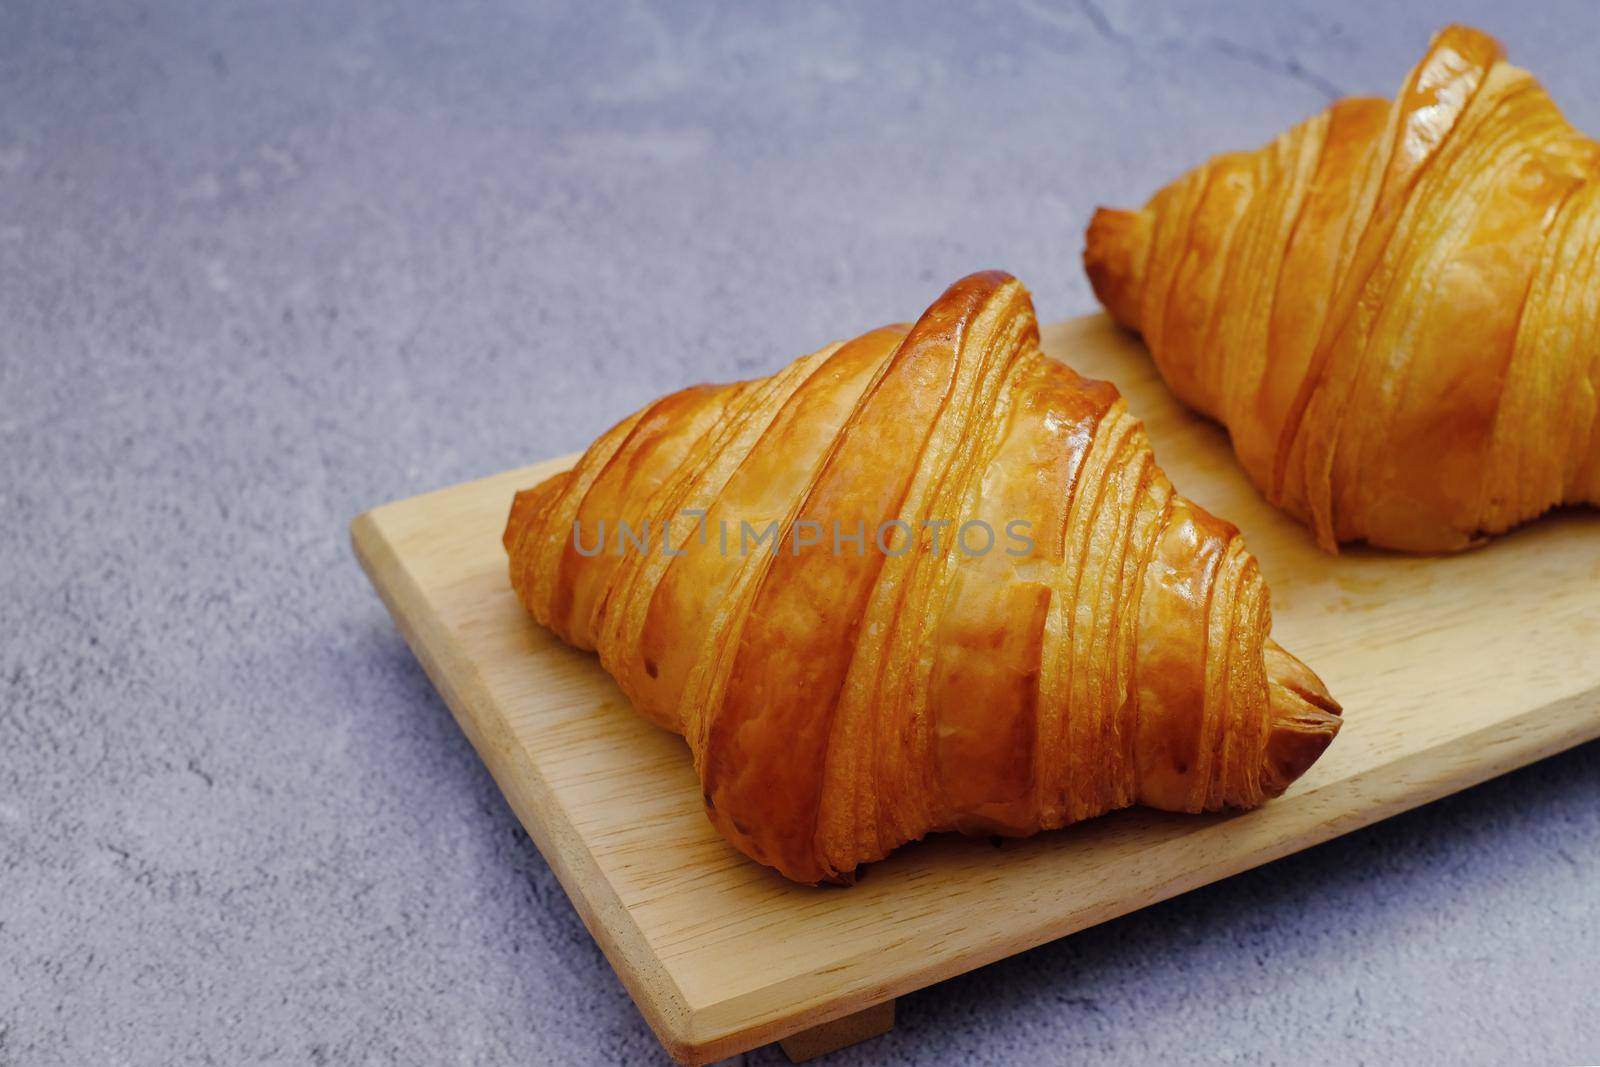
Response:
column 780, row 596
column 1394, row 308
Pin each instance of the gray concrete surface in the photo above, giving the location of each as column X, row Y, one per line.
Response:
column 264, row 266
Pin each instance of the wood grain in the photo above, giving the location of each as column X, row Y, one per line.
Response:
column 1451, row 670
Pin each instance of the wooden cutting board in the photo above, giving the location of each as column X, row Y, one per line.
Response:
column 1451, row 671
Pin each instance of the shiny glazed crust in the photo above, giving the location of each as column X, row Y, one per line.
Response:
column 841, row 702
column 1394, row 308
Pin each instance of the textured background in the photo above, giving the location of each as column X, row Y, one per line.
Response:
column 262, row 267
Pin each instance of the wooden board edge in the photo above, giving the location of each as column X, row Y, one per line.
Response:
column 647, row 981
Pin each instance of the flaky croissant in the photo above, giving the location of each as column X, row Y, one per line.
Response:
column 846, row 683
column 1394, row 308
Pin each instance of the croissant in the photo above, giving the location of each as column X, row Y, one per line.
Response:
column 1394, row 308
column 761, row 568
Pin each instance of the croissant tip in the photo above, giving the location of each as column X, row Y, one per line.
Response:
column 529, row 505
column 1113, row 257
column 1305, row 718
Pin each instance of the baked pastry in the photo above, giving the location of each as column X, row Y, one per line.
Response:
column 763, row 570
column 1394, row 308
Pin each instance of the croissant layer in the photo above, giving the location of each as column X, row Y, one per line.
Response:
column 924, row 580
column 1394, row 308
